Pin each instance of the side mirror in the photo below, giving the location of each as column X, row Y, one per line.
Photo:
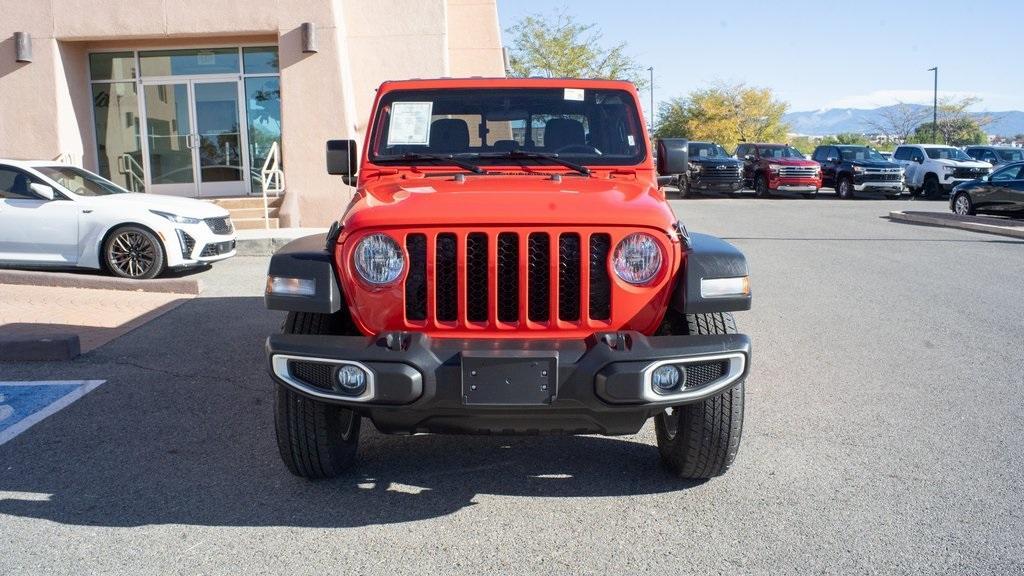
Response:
column 832, row 159
column 673, row 156
column 919, row 160
column 749, row 157
column 43, row 190
column 342, row 160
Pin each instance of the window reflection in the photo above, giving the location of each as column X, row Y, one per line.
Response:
column 118, row 146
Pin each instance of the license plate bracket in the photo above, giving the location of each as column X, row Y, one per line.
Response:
column 498, row 379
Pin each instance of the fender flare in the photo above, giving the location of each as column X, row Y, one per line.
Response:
column 709, row 257
column 306, row 258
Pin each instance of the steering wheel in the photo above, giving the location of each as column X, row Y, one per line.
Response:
column 584, row 148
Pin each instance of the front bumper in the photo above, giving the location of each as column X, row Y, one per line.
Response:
column 717, row 184
column 195, row 244
column 791, row 184
column 421, row 384
column 887, row 187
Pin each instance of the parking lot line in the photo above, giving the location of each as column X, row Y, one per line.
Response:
column 23, row 404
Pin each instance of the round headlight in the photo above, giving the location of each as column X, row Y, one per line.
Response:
column 637, row 258
column 378, row 259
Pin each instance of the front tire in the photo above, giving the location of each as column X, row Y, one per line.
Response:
column 761, row 187
column 845, row 188
column 316, row 439
column 932, row 187
column 133, row 252
column 700, row 440
column 962, row 205
column 684, row 187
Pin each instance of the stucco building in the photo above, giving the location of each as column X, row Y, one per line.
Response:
column 191, row 97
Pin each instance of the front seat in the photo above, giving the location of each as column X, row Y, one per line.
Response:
column 449, row 135
column 562, row 132
column 20, row 187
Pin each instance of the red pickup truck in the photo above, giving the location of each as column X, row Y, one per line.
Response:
column 778, row 167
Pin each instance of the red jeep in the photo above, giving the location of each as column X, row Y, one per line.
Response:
column 778, row 167
column 508, row 265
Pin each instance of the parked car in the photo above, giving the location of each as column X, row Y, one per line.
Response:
column 778, row 167
column 995, row 155
column 56, row 215
column 532, row 281
column 851, row 169
column 1000, row 193
column 932, row 169
column 711, row 169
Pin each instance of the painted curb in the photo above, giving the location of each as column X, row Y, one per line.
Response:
column 943, row 221
column 84, row 280
column 53, row 347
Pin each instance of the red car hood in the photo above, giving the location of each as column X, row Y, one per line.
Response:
column 509, row 200
column 790, row 161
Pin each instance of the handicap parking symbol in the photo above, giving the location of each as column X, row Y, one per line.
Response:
column 23, row 404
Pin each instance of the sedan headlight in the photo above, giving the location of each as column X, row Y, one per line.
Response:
column 175, row 218
column 637, row 258
column 378, row 259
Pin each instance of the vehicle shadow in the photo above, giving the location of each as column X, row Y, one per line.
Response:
column 181, row 433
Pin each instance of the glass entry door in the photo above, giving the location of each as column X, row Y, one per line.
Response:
column 195, row 142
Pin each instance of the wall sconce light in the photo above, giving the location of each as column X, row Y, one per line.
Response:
column 309, row 38
column 22, row 47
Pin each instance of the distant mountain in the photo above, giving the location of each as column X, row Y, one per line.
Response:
column 838, row 120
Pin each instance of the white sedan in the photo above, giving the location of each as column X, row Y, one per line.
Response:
column 56, row 215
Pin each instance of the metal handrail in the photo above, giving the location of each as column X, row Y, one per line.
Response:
column 272, row 179
column 127, row 165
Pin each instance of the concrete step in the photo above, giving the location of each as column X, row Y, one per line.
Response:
column 240, row 213
column 253, row 223
column 246, row 202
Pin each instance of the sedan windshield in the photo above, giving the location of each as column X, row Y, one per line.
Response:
column 861, row 154
column 482, row 126
column 947, row 154
column 1010, row 155
column 81, row 182
column 780, row 152
column 707, row 151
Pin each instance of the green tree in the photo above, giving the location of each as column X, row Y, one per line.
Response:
column 957, row 125
column 727, row 114
column 556, row 45
column 847, row 138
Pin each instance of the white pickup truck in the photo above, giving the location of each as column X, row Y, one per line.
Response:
column 935, row 169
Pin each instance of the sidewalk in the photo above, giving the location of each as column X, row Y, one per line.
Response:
column 987, row 224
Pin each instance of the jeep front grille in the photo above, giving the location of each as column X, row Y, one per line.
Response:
column 505, row 279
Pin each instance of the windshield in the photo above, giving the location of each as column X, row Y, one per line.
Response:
column 780, row 152
column 702, row 150
column 861, row 154
column 1010, row 155
column 81, row 182
column 585, row 126
column 947, row 154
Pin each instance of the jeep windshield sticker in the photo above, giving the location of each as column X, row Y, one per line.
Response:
column 574, row 94
column 410, row 123
column 631, row 140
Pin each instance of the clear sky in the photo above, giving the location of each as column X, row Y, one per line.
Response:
column 817, row 54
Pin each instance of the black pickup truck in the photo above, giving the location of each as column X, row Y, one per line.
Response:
column 854, row 169
column 711, row 169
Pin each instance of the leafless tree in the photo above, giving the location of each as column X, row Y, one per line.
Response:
column 898, row 121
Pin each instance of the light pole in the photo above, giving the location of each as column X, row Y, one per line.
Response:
column 935, row 105
column 651, row 70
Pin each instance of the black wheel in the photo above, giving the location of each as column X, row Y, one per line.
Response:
column 761, row 187
column 962, row 205
column 844, row 189
column 700, row 440
column 133, row 252
column 316, row 439
column 931, row 186
column 684, row 186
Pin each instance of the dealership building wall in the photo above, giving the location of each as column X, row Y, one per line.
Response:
column 137, row 89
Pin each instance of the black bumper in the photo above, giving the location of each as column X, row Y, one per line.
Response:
column 716, row 184
column 422, row 384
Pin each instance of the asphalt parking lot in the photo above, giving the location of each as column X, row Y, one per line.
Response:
column 883, row 434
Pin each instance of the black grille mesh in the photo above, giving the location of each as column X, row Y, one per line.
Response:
column 539, row 276
column 447, row 278
column 701, row 373
column 416, row 281
column 219, row 225
column 476, row 277
column 315, row 374
column 508, row 277
column 600, row 283
column 569, row 277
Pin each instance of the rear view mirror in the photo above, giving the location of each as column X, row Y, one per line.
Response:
column 342, row 160
column 673, row 156
column 46, row 192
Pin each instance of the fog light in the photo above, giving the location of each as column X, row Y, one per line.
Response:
column 352, row 379
column 668, row 378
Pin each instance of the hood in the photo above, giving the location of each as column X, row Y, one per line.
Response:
column 875, row 164
column 789, row 161
column 173, row 204
column 715, row 160
column 510, row 200
column 962, row 163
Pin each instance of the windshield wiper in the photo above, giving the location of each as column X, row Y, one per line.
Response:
column 521, row 155
column 447, row 158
